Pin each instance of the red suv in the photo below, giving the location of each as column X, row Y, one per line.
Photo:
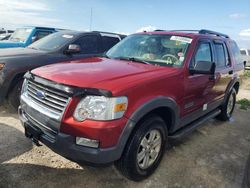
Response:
column 124, row 108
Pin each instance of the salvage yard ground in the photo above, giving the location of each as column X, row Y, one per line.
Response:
column 212, row 156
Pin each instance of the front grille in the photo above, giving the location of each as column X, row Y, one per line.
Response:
column 46, row 97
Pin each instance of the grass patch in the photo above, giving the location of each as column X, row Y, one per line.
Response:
column 244, row 104
column 246, row 73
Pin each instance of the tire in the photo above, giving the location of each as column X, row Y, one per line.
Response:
column 133, row 168
column 228, row 107
column 14, row 96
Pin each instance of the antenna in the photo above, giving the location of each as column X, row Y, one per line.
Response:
column 91, row 17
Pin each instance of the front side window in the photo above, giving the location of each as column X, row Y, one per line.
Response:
column 163, row 50
column 20, row 35
column 203, row 53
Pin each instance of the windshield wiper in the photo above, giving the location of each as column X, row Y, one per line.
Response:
column 105, row 55
column 133, row 59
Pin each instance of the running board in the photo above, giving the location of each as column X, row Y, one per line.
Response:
column 194, row 125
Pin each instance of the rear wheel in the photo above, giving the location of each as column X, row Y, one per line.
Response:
column 14, row 95
column 228, row 107
column 145, row 149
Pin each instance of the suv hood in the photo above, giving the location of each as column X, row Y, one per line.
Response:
column 10, row 44
column 18, row 52
column 101, row 73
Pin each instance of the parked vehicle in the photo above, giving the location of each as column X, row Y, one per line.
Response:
column 5, row 36
column 23, row 37
column 57, row 47
column 4, row 31
column 151, row 87
column 246, row 56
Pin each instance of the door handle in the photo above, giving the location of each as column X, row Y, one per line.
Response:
column 231, row 72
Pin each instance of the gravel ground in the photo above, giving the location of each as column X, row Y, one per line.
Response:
column 212, row 156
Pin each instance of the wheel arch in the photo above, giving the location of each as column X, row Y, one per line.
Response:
column 235, row 83
column 14, row 81
column 165, row 107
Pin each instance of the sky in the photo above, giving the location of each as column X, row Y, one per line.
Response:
column 227, row 16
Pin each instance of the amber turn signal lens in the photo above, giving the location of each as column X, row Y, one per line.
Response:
column 120, row 107
column 1, row 66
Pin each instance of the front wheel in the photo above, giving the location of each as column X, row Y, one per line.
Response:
column 228, row 108
column 14, row 96
column 145, row 149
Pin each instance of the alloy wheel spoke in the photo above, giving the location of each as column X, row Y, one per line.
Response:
column 141, row 155
column 144, row 142
column 153, row 154
column 151, row 136
column 156, row 142
column 145, row 161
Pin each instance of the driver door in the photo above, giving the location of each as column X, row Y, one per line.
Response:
column 198, row 86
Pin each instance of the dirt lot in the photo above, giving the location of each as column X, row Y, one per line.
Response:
column 212, row 156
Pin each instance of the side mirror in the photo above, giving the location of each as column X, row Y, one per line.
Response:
column 73, row 48
column 203, row 67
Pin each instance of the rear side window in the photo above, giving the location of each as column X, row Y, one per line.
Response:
column 248, row 52
column 220, row 55
column 88, row 44
column 109, row 42
column 236, row 52
column 203, row 53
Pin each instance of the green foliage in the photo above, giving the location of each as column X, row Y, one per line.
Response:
column 244, row 104
column 247, row 73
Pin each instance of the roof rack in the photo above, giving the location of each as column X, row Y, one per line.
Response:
column 186, row 30
column 110, row 33
column 204, row 31
column 159, row 30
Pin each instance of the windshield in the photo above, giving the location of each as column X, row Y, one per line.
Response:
column 163, row 50
column 20, row 35
column 52, row 42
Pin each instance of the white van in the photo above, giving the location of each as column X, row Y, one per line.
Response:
column 246, row 56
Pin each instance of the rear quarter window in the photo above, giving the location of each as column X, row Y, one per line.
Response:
column 236, row 52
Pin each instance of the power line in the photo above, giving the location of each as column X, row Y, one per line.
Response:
column 91, row 17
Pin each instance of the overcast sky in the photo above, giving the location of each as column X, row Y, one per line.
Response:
column 228, row 16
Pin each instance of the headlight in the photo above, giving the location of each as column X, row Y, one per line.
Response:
column 25, row 86
column 1, row 66
column 100, row 108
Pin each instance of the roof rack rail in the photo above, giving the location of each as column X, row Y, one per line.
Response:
column 205, row 31
column 185, row 30
column 159, row 30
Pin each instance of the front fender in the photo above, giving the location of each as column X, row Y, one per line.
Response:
column 144, row 110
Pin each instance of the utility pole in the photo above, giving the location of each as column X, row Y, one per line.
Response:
column 91, row 17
